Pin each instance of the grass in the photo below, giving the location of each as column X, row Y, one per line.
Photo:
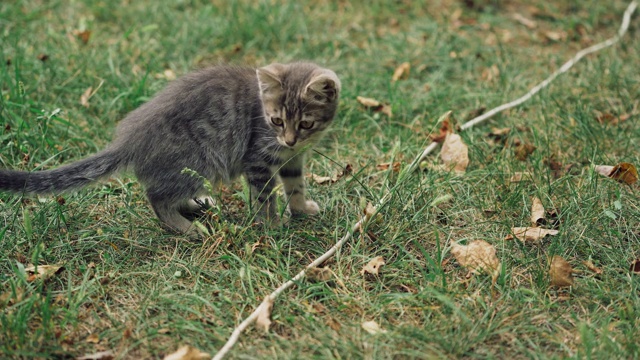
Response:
column 131, row 287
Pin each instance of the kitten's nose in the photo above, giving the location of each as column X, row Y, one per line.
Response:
column 290, row 142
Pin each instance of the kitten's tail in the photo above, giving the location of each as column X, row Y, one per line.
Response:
column 74, row 175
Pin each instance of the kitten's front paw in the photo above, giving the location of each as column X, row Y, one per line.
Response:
column 309, row 207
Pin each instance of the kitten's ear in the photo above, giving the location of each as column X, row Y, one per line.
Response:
column 269, row 78
column 324, row 86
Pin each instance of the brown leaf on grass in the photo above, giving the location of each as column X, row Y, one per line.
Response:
column 43, row 272
column 402, row 72
column 102, row 355
column 187, row 353
column 555, row 36
column 93, row 338
column 320, row 180
column 446, row 128
column 455, row 153
column 606, row 118
column 635, row 266
column 589, row 264
column 84, row 98
column 623, row 172
column 375, row 105
column 479, row 256
column 537, row 213
column 373, row 266
column 395, row 166
column 523, row 150
column 531, row 24
column 491, row 73
column 372, row 327
column 560, row 272
column 520, row 176
column 263, row 321
column 320, row 274
column 530, row 234
column 323, row 179
column 43, row 57
column 83, row 35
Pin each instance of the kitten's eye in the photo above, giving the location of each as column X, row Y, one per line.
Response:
column 276, row 121
column 306, row 124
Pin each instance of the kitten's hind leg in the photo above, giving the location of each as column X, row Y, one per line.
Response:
column 169, row 215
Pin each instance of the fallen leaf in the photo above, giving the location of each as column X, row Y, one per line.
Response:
column 491, row 73
column 455, row 153
column 560, row 272
column 187, row 353
column 530, row 234
column 479, row 256
column 319, row 274
column 372, row 328
column 523, row 150
column 499, row 133
column 402, row 72
column 520, row 176
column 373, row 266
column 263, row 321
column 84, row 98
column 93, row 338
column 446, row 128
column 537, row 213
column 555, row 35
column 334, row 324
column 623, row 172
column 635, row 266
column 43, row 57
column 375, row 105
column 43, row 272
column 320, row 180
column 83, row 35
column 395, row 166
column 589, row 264
column 606, row 118
column 323, row 179
column 531, row 24
column 102, row 355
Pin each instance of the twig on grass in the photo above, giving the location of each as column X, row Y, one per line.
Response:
column 412, row 167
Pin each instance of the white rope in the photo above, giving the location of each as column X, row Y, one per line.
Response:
column 414, row 165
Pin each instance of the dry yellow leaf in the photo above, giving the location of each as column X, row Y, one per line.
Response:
column 478, row 256
column 43, row 272
column 589, row 264
column 263, row 321
column 375, row 105
column 531, row 24
column 93, row 338
column 455, row 153
column 372, row 327
column 623, row 172
column 560, row 272
column 318, row 179
column 395, row 166
column 84, row 98
column 187, row 353
column 520, row 176
column 537, row 213
column 320, row 274
column 402, row 71
column 530, row 234
column 373, row 266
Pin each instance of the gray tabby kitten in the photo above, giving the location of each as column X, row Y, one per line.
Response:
column 221, row 122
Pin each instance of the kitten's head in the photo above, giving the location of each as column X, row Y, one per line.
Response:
column 299, row 101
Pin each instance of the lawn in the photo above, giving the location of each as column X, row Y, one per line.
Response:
column 70, row 70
